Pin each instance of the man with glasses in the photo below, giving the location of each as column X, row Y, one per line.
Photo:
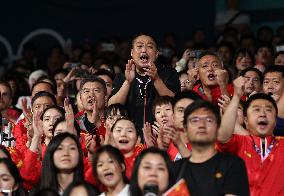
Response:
column 206, row 171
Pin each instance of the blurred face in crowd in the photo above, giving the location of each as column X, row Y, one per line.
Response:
column 264, row 56
column 41, row 103
column 5, row 97
column 279, row 60
column 109, row 171
column 179, row 112
column 66, row 156
column 164, row 113
column 252, row 83
column 111, row 119
column 79, row 190
column 42, row 87
column 182, row 78
column 7, row 181
column 92, row 93
column 261, row 118
column 243, row 61
column 48, row 120
column 59, row 81
column 225, row 54
column 108, row 82
column 153, row 170
column 273, row 83
column 62, row 128
column 144, row 51
column 125, row 136
column 208, row 64
column 201, row 127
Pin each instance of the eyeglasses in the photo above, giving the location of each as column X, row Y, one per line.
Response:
column 196, row 120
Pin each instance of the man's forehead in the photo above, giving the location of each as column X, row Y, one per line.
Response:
column 260, row 103
column 144, row 39
column 273, row 75
column 43, row 100
column 250, row 73
column 184, row 102
column 209, row 58
column 92, row 85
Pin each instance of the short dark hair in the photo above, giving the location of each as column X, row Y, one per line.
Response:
column 43, row 94
column 265, row 45
column 259, row 96
column 209, row 53
column 52, row 87
column 134, row 187
column 186, row 95
column 145, row 34
column 114, row 108
column 162, row 100
column 278, row 69
column 202, row 104
column 259, row 73
column 93, row 79
column 102, row 72
column 243, row 52
column 113, row 153
column 62, row 119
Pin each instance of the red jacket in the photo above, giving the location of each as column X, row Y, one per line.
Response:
column 215, row 92
column 266, row 176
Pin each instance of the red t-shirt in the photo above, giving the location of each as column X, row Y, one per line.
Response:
column 129, row 161
column 266, row 177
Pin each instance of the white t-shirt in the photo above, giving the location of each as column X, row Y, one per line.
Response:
column 123, row 192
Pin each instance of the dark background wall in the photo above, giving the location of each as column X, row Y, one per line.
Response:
column 93, row 19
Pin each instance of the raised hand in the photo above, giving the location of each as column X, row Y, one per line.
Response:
column 192, row 77
column 27, row 111
column 95, row 114
column 156, row 127
column 147, row 132
column 130, row 70
column 186, row 55
column 222, row 77
column 37, row 124
column 223, row 102
column 151, row 71
column 70, row 76
column 90, row 141
column 69, row 116
column 239, row 86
